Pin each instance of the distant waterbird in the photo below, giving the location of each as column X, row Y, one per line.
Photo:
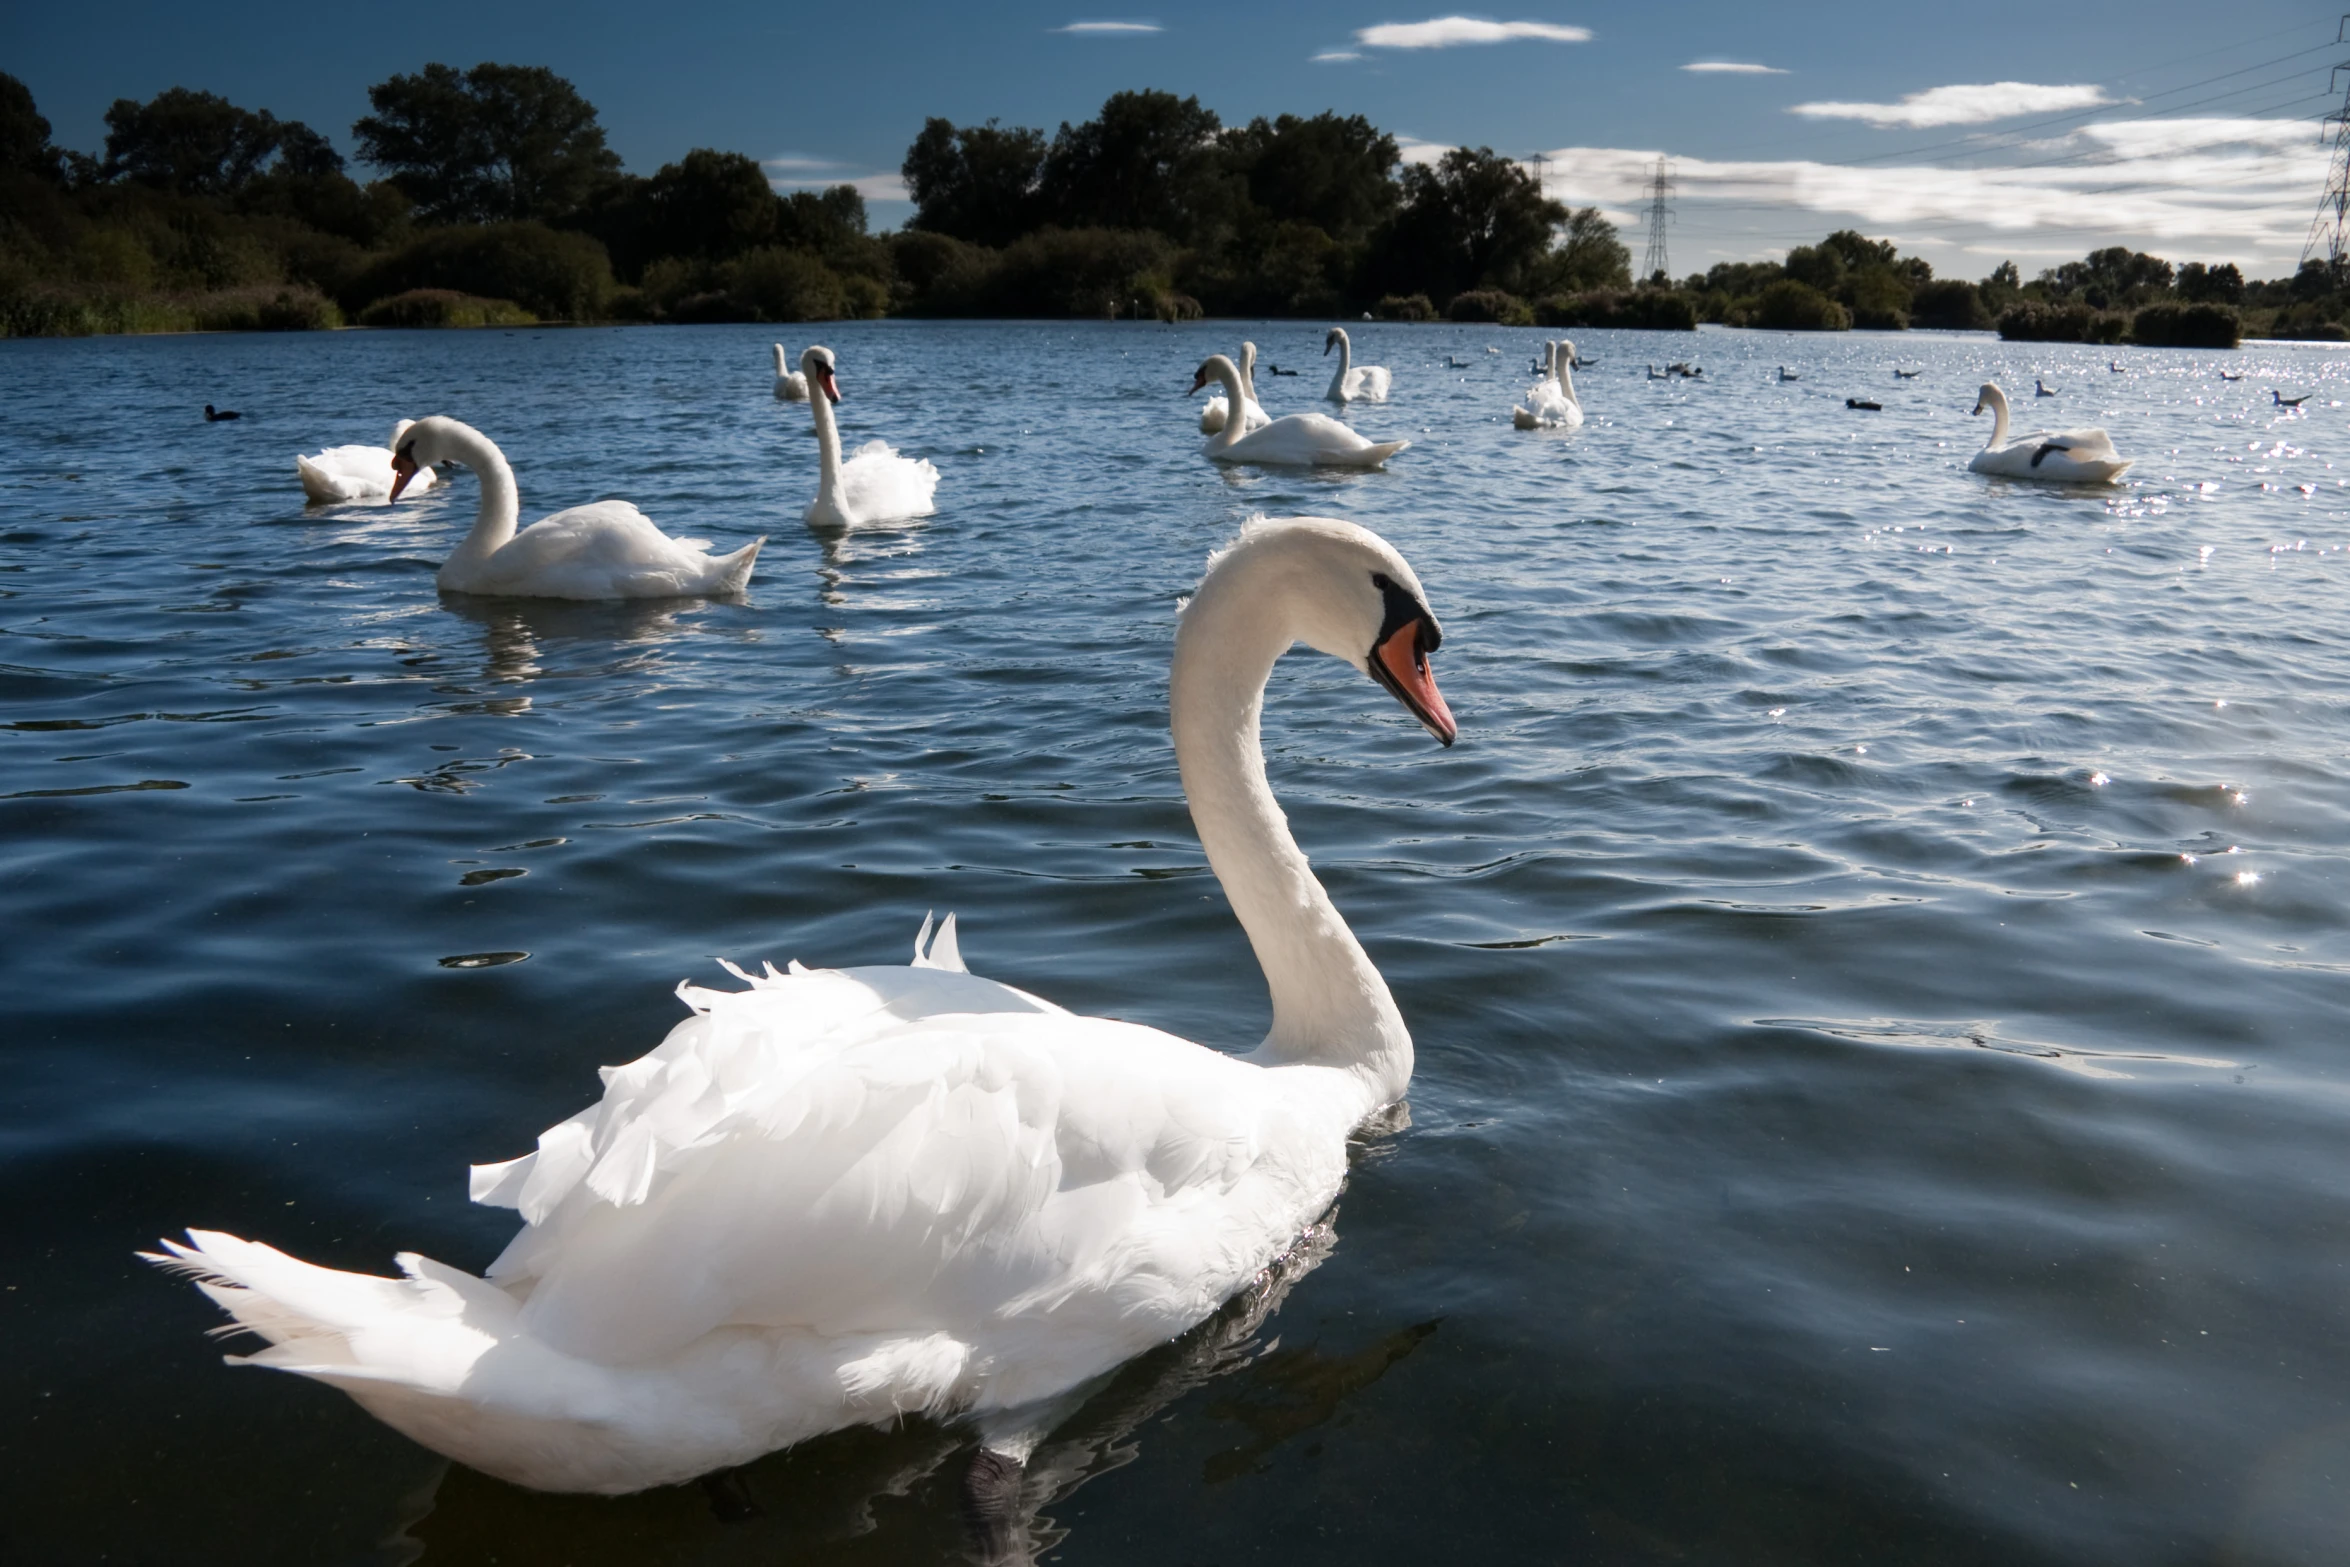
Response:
column 1900, row 374
column 1862, row 402
column 2282, row 401
column 1786, row 374
column 2041, row 388
column 214, row 415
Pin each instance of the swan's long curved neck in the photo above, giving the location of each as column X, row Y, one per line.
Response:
column 1228, row 376
column 1346, row 362
column 827, row 443
column 1248, row 370
column 501, row 503
column 1330, row 1007
column 1998, row 401
column 782, row 365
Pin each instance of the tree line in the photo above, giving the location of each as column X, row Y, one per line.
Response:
column 494, row 197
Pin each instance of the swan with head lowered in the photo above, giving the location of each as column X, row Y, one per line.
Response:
column 357, row 473
column 1551, row 403
column 1294, row 440
column 876, row 485
column 1211, row 417
column 836, row 1197
column 2056, row 456
column 791, row 386
column 603, row 550
column 1353, row 383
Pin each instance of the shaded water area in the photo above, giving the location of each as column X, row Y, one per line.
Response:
column 1878, row 955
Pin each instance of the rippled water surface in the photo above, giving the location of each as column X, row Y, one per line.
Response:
column 1878, row 954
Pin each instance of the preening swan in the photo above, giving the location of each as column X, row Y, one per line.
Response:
column 603, row 550
column 876, row 485
column 791, row 386
column 1211, row 417
column 1296, row 440
column 2058, row 456
column 1353, row 383
column 357, row 473
column 836, row 1197
column 1550, row 402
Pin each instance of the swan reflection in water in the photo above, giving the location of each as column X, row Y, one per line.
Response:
column 923, row 1487
column 521, row 638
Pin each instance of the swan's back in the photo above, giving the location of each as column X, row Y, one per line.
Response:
column 1368, row 384
column 1301, row 440
column 603, row 550
column 880, row 485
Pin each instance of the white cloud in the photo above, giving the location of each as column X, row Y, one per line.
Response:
column 873, row 187
column 2230, row 183
column 1732, row 68
column 1099, row 29
column 794, row 160
column 1965, row 104
column 1445, row 32
column 1334, row 56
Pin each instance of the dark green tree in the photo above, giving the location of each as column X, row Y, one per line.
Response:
column 1145, row 163
column 24, row 132
column 200, row 144
column 1589, row 254
column 1474, row 219
column 1335, row 173
column 2114, row 276
column 975, row 182
column 711, row 205
column 496, row 142
column 2218, row 285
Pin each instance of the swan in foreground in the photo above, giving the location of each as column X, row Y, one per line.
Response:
column 1353, row 383
column 357, row 473
column 791, row 386
column 1295, row 440
column 1211, row 417
column 876, row 485
column 1551, row 403
column 603, row 550
column 840, row 1196
column 2058, row 456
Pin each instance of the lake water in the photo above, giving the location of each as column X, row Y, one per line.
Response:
column 1878, row 955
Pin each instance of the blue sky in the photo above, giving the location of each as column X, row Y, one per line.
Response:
column 1968, row 135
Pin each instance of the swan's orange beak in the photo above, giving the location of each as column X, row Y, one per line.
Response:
column 403, row 469
column 1200, row 379
column 831, row 387
column 1401, row 665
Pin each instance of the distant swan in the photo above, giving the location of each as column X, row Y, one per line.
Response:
column 1296, row 441
column 1551, row 403
column 839, row 1197
column 357, row 473
column 791, row 386
column 2057, row 456
column 1211, row 418
column 876, row 485
column 1353, row 383
column 603, row 550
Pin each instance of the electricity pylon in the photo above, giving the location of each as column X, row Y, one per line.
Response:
column 2329, row 231
column 1660, row 191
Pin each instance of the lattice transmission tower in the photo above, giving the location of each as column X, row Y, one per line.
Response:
column 1660, row 211
column 2329, row 231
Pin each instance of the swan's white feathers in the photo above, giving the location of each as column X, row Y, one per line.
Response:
column 355, row 473
column 1305, row 440
column 609, row 549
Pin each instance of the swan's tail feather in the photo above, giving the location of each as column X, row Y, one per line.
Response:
column 1524, row 419
column 734, row 571
column 317, row 483
column 944, row 953
column 1373, row 456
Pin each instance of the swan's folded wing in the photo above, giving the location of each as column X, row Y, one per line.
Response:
column 2083, row 443
column 809, row 1155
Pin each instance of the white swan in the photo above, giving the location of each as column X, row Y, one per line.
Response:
column 603, row 550
column 791, row 386
column 1551, row 403
column 356, row 473
column 876, row 485
column 1353, row 383
column 1211, row 417
column 838, row 1197
column 1295, row 440
column 2058, row 456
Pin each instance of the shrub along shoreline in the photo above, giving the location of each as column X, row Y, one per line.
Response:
column 498, row 204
